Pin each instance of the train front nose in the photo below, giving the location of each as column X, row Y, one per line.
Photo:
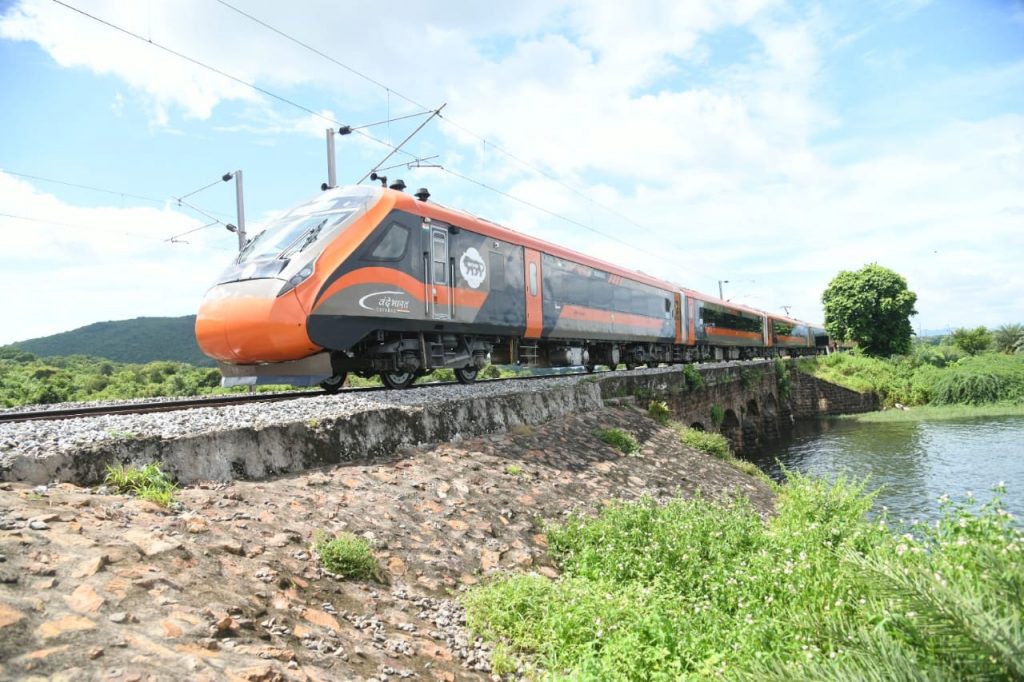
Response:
column 247, row 323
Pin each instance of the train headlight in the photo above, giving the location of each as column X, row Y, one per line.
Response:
column 297, row 279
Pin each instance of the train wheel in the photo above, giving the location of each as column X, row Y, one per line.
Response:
column 334, row 384
column 397, row 379
column 466, row 375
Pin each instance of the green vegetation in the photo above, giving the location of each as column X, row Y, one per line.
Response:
column 26, row 379
column 147, row 483
column 783, row 384
column 1009, row 338
column 971, row 341
column 872, row 307
column 938, row 413
column 717, row 415
column 694, row 379
column 714, row 444
column 621, row 439
column 971, row 380
column 138, row 341
column 696, row 589
column 513, row 469
column 717, row 445
column 659, row 411
column 347, row 556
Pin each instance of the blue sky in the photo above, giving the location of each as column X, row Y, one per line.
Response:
column 767, row 143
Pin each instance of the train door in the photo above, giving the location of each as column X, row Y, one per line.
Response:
column 534, row 309
column 440, row 293
column 679, row 319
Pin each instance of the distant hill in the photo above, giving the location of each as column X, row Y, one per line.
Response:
column 141, row 340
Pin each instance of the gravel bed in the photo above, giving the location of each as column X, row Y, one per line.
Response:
column 37, row 438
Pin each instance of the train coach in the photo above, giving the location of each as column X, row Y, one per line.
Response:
column 371, row 280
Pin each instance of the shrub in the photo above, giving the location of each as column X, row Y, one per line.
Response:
column 347, row 556
column 659, row 411
column 692, row 589
column 621, row 439
column 148, row 482
column 714, row 444
column 513, row 469
column 694, row 379
column 717, row 415
column 782, row 380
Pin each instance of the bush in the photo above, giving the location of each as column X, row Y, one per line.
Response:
column 717, row 415
column 714, row 444
column 659, row 411
column 694, row 379
column 347, row 556
column 696, row 589
column 621, row 439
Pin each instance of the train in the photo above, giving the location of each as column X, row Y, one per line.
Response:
column 372, row 280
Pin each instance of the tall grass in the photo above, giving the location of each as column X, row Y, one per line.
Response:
column 972, row 380
column 691, row 588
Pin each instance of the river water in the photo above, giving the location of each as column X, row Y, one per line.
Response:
column 913, row 462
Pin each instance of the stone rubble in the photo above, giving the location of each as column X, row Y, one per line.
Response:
column 225, row 585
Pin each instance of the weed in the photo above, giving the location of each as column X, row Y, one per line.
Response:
column 749, row 377
column 147, row 483
column 503, row 661
column 312, row 423
column 347, row 556
column 513, row 469
column 694, row 379
column 621, row 439
column 717, row 415
column 659, row 412
column 692, row 589
column 643, row 394
column 782, row 381
column 714, row 444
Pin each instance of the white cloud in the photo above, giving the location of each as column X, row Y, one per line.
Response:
column 76, row 265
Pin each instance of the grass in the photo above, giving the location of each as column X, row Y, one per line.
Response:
column 717, row 445
column 148, row 482
column 347, row 556
column 513, row 469
column 659, row 411
column 693, row 589
column 620, row 439
column 913, row 380
column 938, row 413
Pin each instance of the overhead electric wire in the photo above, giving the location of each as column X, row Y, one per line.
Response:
column 395, row 149
column 410, row 100
column 77, row 226
column 140, row 197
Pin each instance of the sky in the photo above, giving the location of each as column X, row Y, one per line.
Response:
column 764, row 144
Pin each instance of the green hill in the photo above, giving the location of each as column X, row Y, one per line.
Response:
column 141, row 340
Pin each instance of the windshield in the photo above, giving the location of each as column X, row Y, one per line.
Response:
column 302, row 226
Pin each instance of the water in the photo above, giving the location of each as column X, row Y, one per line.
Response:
column 913, row 462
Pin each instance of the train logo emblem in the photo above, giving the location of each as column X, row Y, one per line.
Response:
column 386, row 302
column 472, row 267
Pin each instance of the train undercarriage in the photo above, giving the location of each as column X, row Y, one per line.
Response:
column 400, row 358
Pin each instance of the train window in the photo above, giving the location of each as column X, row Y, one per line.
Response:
column 440, row 257
column 668, row 306
column 393, row 244
column 533, row 279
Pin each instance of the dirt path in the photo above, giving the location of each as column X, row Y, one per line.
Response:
column 98, row 586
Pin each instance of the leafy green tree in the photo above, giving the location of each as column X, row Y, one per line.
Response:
column 1008, row 338
column 971, row 341
column 871, row 306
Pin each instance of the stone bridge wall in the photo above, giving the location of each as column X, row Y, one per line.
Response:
column 751, row 407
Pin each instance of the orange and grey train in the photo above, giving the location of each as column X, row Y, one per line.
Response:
column 371, row 280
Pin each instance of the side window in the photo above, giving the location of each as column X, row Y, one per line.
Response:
column 440, row 258
column 392, row 246
column 533, row 279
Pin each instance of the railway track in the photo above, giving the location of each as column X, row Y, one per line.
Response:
column 210, row 401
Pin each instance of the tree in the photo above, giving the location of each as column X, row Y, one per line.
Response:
column 971, row 341
column 1008, row 338
column 871, row 306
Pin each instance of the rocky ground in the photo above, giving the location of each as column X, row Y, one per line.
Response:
column 100, row 586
